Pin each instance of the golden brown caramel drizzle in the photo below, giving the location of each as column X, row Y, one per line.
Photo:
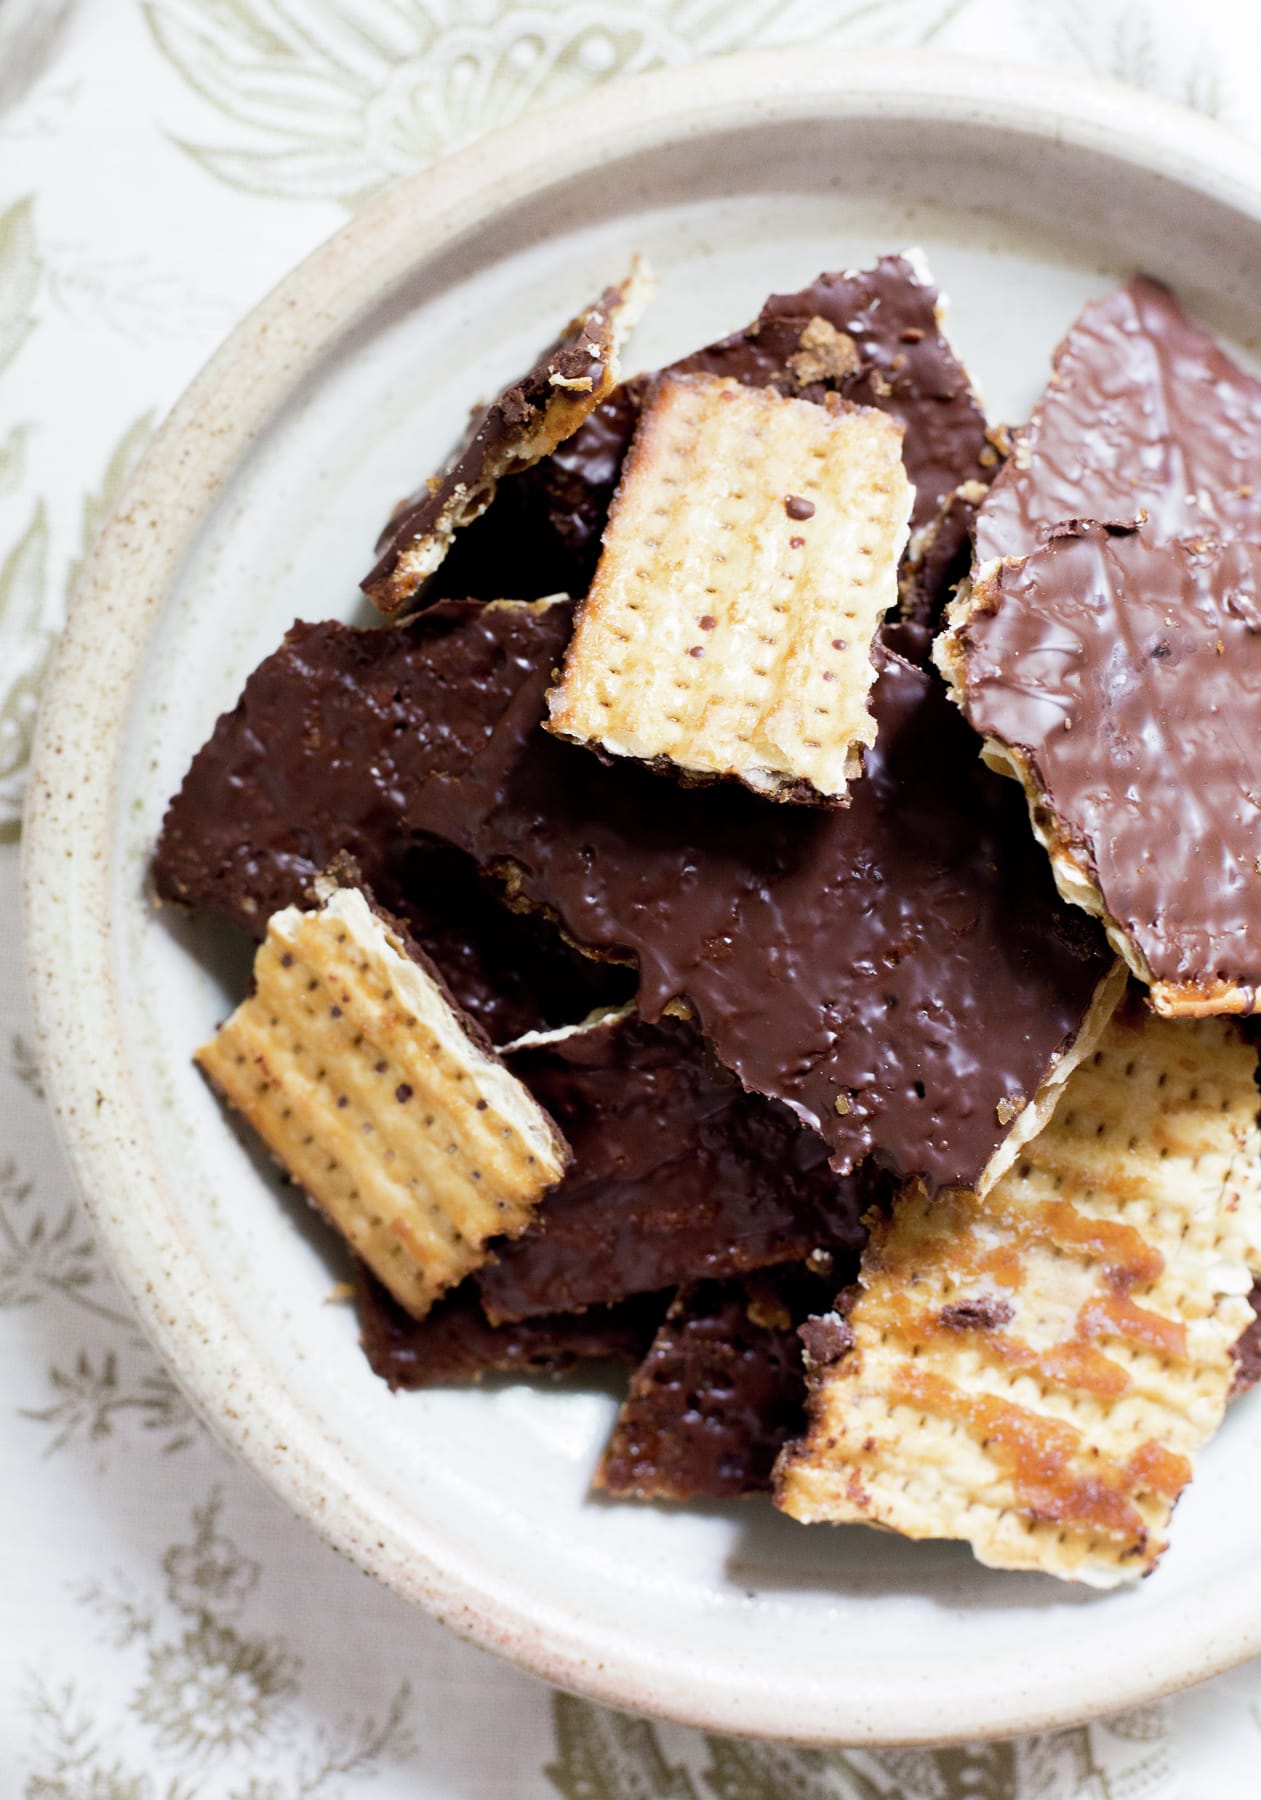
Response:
column 1114, row 1315
column 1131, row 1261
column 1038, row 1454
column 1072, row 1364
column 1154, row 1470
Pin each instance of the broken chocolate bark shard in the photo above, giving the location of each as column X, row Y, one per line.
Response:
column 323, row 752
column 678, row 1174
column 718, row 1395
column 1144, row 412
column 926, row 979
column 522, row 425
column 455, row 1344
column 871, row 336
column 1120, row 679
column 924, row 972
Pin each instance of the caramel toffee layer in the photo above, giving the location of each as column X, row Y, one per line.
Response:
column 719, row 1394
column 1144, row 412
column 456, row 1344
column 871, row 336
column 677, row 1175
column 327, row 747
column 1126, row 674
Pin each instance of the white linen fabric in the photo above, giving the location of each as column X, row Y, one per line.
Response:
column 167, row 1632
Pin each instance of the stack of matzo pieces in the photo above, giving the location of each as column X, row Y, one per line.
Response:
column 381, row 1099
column 1032, row 1367
column 1034, row 1372
column 751, row 553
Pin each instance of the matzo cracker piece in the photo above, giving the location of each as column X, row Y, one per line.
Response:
column 1034, row 1372
column 524, row 424
column 752, row 550
column 381, row 1100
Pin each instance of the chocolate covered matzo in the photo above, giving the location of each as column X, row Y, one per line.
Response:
column 524, row 424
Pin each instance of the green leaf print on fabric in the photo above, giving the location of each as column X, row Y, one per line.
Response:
column 211, row 1700
column 25, row 651
column 327, row 101
column 602, row 1755
column 19, row 278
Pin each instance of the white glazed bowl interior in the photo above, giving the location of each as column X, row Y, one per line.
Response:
column 259, row 504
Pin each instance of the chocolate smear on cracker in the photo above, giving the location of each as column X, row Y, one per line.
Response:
column 1145, row 413
column 1118, row 677
column 522, row 425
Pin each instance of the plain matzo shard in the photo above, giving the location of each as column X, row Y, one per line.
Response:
column 1034, row 1372
column 752, row 551
column 381, row 1100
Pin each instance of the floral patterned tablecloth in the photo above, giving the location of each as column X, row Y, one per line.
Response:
column 166, row 1632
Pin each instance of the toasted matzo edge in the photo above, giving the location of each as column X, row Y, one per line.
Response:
column 384, row 1102
column 752, row 551
column 1070, row 865
column 1029, row 1120
column 419, row 536
column 1120, row 1255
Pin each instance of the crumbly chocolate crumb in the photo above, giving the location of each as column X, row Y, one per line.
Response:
column 825, row 1340
column 987, row 1313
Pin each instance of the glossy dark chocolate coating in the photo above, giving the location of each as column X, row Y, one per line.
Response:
column 719, row 1394
column 678, row 1175
column 456, row 1344
column 327, row 746
column 1144, row 411
column 581, row 354
column 906, row 955
column 545, row 525
column 1127, row 672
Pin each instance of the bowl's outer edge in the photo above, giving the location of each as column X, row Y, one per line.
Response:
column 71, row 806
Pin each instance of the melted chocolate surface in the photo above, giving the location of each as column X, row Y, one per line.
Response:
column 1144, row 411
column 678, row 1175
column 872, row 337
column 330, row 740
column 905, row 957
column 580, row 355
column 1128, row 674
column 719, row 1394
column 455, row 1344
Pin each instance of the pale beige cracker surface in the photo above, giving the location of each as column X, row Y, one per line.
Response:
column 523, row 425
column 398, row 1120
column 751, row 552
column 1034, row 1372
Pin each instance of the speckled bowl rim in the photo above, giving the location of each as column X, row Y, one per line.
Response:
column 71, row 807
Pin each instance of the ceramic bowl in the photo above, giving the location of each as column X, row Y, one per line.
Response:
column 259, row 502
